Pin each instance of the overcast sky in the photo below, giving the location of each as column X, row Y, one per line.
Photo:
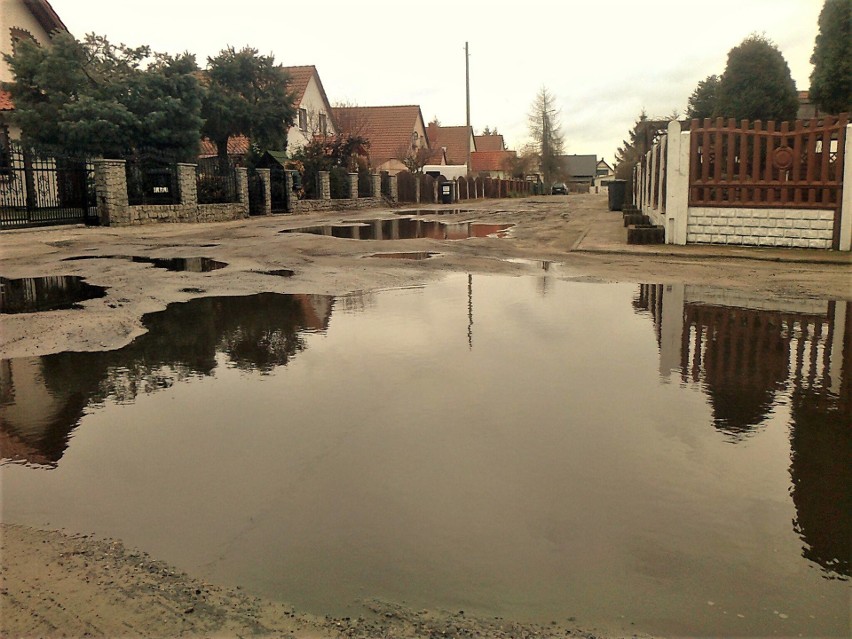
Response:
column 603, row 61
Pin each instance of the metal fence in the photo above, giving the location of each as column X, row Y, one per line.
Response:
column 43, row 189
column 151, row 180
column 279, row 199
column 216, row 181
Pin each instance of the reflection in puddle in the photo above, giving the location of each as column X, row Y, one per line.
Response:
column 480, row 443
column 186, row 264
column 281, row 272
column 406, row 229
column 435, row 211
column 36, row 294
column 410, row 255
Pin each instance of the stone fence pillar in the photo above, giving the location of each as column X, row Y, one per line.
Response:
column 187, row 184
column 324, row 186
column 376, row 183
column 394, row 189
column 353, row 186
column 288, row 186
column 242, row 186
column 111, row 187
column 266, row 180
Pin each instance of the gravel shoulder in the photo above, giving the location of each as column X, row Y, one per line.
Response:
column 66, row 584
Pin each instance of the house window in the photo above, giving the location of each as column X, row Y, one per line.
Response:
column 323, row 123
column 303, row 119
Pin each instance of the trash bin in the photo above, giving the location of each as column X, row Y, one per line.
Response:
column 617, row 190
column 446, row 193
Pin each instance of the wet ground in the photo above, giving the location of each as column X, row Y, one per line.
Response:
column 493, row 429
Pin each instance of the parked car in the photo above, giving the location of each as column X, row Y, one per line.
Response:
column 559, row 189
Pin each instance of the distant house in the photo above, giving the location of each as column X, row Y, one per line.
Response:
column 494, row 164
column 458, row 141
column 604, row 169
column 394, row 132
column 580, row 169
column 490, row 142
column 238, row 146
column 807, row 109
column 33, row 20
column 603, row 175
column 314, row 115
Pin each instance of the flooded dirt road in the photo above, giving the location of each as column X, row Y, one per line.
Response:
column 433, row 432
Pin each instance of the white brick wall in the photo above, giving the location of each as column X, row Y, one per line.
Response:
column 800, row 228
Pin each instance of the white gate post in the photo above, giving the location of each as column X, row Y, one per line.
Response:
column 677, row 184
column 846, row 204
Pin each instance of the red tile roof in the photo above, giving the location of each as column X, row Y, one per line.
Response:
column 388, row 128
column 455, row 138
column 300, row 76
column 493, row 142
column 6, row 103
column 237, row 145
column 490, row 160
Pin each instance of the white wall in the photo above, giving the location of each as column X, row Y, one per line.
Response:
column 14, row 14
column 313, row 103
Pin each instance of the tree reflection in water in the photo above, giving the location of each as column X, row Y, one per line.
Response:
column 743, row 358
column 44, row 398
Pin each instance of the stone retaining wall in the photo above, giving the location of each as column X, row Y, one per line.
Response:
column 114, row 210
column 310, row 206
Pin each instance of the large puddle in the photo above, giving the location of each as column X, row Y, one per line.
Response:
column 177, row 264
column 406, row 228
column 665, row 459
column 51, row 293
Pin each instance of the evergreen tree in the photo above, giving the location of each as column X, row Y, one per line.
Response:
column 831, row 78
column 247, row 94
column 756, row 84
column 702, row 102
column 98, row 99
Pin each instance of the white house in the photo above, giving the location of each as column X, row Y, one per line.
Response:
column 33, row 20
column 314, row 115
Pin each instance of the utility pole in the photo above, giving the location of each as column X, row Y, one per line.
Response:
column 467, row 80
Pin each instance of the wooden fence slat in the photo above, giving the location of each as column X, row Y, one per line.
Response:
column 746, row 194
column 718, row 154
column 755, row 160
column 826, row 156
column 784, row 175
column 705, row 161
column 768, row 170
column 811, row 158
column 797, row 160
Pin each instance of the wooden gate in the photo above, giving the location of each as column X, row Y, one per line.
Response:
column 797, row 165
column 39, row 190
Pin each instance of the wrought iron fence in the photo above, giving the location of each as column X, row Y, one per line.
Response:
column 151, row 180
column 279, row 199
column 216, row 181
column 39, row 189
column 256, row 193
